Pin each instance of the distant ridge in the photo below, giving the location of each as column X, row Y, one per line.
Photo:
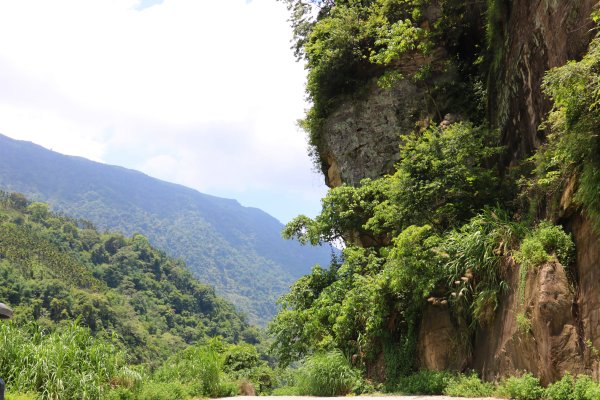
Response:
column 237, row 249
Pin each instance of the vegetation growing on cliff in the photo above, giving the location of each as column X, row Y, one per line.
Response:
column 422, row 234
column 447, row 225
column 573, row 147
column 348, row 43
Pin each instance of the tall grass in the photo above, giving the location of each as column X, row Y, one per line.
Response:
column 66, row 364
column 199, row 367
column 327, row 374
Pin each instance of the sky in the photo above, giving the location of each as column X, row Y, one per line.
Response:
column 197, row 92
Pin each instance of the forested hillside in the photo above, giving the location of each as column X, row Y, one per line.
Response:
column 461, row 149
column 105, row 316
column 238, row 250
column 56, row 269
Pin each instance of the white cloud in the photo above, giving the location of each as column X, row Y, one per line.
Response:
column 204, row 93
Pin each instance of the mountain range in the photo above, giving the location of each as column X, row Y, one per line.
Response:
column 237, row 249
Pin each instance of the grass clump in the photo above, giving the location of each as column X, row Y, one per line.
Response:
column 524, row 324
column 199, row 368
column 468, row 386
column 525, row 387
column 570, row 388
column 425, row 382
column 327, row 374
column 475, row 253
column 70, row 364
column 547, row 242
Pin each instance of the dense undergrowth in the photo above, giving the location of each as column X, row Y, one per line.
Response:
column 330, row 374
column 71, row 363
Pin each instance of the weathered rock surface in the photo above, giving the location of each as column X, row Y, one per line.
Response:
column 362, row 136
column 545, row 342
column 588, row 293
column 439, row 345
column 538, row 35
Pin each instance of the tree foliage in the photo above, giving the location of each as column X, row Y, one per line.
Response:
column 56, row 269
column 444, row 177
column 347, row 43
column 401, row 249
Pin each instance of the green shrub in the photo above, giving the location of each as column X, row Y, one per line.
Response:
column 424, row 382
column 569, row 388
column 591, row 393
column 525, row 387
column 562, row 389
column 364, row 386
column 198, row 366
column 21, row 396
column 239, row 358
column 586, row 389
column 164, row 391
column 468, row 386
column 326, row 374
column 545, row 243
column 286, row 391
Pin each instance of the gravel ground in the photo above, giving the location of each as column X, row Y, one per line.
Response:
column 359, row 397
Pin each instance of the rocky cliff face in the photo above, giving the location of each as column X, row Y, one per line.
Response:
column 363, row 135
column 563, row 311
column 564, row 314
column 588, row 289
column 537, row 36
column 539, row 327
column 536, row 331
